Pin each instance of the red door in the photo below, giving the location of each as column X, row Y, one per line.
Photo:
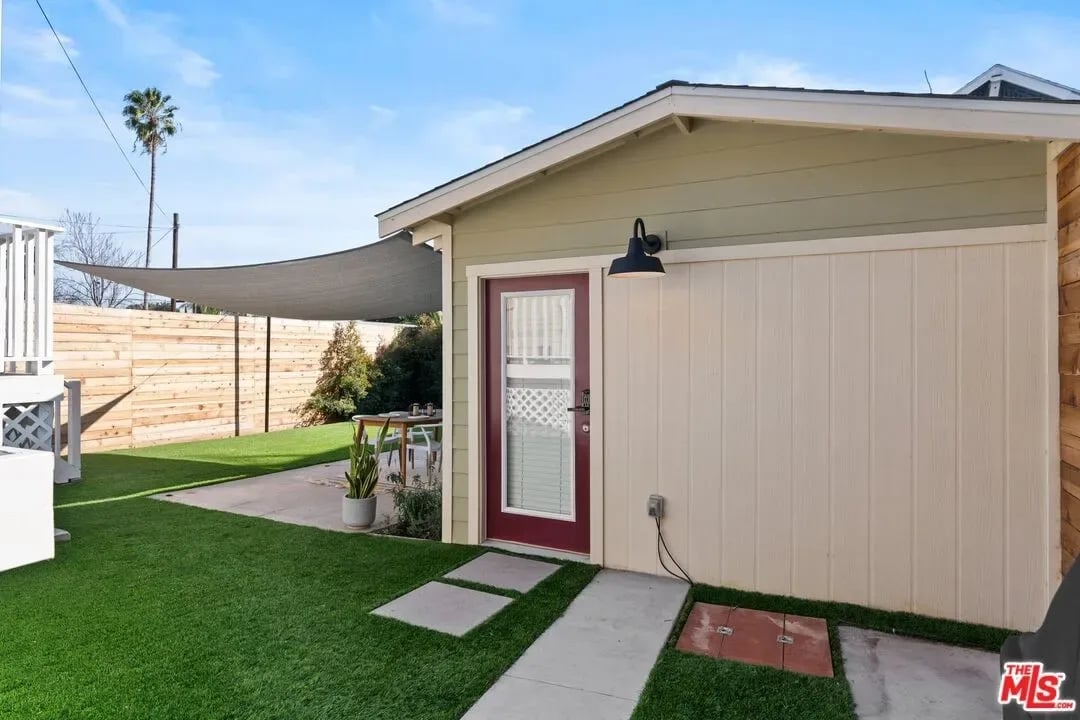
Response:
column 537, row 446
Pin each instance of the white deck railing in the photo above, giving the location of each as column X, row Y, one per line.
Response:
column 26, row 296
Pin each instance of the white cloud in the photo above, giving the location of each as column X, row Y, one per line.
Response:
column 382, row 116
column 750, row 69
column 39, row 45
column 461, row 12
column 36, row 96
column 485, row 132
column 151, row 37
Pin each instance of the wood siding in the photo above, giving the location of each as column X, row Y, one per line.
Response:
column 1068, row 222
column 740, row 183
column 155, row 377
column 865, row 427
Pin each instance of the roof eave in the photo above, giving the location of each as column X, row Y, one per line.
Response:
column 937, row 115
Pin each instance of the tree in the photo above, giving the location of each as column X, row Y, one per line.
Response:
column 153, row 120
column 83, row 242
column 345, row 377
column 408, row 369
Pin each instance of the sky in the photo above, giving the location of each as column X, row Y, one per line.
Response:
column 301, row 120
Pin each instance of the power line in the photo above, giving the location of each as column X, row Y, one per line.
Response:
column 163, row 236
column 94, row 103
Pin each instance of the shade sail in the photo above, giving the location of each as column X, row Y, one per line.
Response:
column 385, row 279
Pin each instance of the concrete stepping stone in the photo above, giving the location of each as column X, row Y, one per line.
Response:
column 504, row 571
column 447, row 608
column 894, row 677
column 789, row 642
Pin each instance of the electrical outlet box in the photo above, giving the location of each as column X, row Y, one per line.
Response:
column 656, row 506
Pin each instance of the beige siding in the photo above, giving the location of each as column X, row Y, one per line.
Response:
column 736, row 183
column 881, row 432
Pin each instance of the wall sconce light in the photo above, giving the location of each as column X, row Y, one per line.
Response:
column 639, row 261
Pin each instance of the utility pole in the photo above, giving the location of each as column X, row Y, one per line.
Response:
column 175, row 249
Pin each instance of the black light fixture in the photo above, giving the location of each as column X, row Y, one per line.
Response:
column 639, row 261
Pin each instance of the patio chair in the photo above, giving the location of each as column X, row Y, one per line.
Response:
column 431, row 437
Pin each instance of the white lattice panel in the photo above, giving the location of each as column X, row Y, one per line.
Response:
column 545, row 406
column 29, row 426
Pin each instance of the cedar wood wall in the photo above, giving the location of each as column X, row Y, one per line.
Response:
column 156, row 377
column 1068, row 193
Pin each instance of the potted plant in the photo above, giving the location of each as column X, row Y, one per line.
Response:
column 358, row 505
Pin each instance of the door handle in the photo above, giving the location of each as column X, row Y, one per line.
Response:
column 583, row 406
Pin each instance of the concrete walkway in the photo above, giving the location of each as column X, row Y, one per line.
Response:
column 304, row 496
column 896, row 678
column 593, row 661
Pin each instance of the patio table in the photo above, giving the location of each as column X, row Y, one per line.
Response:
column 403, row 423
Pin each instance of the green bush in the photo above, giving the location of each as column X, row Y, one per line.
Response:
column 408, row 369
column 419, row 506
column 346, row 374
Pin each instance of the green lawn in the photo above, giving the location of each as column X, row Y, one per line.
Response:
column 153, row 469
column 156, row 610
column 692, row 686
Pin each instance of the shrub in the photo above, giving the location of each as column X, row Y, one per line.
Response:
column 408, row 369
column 345, row 378
column 419, row 506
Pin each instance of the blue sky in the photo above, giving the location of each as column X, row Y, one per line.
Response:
column 302, row 119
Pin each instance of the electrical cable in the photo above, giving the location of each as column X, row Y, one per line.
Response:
column 685, row 576
column 94, row 103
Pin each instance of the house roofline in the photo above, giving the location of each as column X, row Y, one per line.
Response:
column 992, row 118
column 1019, row 77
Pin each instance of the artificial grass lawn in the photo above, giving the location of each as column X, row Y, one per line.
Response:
column 692, row 686
column 156, row 610
column 145, row 471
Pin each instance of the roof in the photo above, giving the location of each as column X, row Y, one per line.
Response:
column 1007, row 76
column 929, row 113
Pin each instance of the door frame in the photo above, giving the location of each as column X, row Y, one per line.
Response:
column 476, row 275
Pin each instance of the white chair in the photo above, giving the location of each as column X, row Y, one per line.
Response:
column 431, row 437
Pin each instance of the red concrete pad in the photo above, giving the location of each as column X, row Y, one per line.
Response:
column 809, row 652
column 699, row 634
column 754, row 638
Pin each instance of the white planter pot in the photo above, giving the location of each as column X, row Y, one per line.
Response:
column 358, row 513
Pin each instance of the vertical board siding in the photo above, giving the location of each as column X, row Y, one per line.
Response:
column 156, row 377
column 811, row 329
column 862, row 427
column 738, row 358
column 981, row 449
column 849, row 437
column 739, row 183
column 934, row 378
column 705, row 471
column 891, row 431
column 773, row 401
column 1068, row 234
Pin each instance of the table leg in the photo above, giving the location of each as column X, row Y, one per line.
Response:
column 404, row 452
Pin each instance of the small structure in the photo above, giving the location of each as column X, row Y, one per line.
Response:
column 32, row 398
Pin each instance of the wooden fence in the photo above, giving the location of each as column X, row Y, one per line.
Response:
column 1068, row 221
column 158, row 377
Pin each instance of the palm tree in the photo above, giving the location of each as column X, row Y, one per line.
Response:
column 150, row 116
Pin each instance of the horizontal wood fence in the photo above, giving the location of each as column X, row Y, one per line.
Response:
column 158, row 377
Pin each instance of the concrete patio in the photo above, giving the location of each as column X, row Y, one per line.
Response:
column 305, row 496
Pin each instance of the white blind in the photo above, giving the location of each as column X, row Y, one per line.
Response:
column 537, row 443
